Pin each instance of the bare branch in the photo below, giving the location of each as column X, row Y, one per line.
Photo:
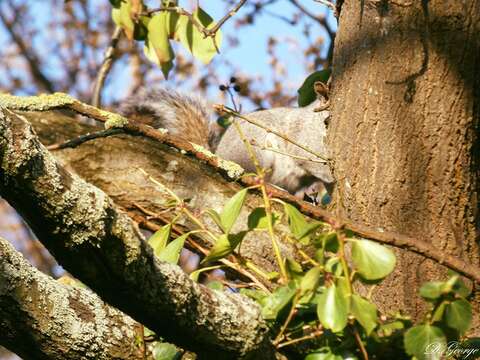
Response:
column 227, row 16
column 323, row 22
column 390, row 238
column 105, row 68
column 327, row 3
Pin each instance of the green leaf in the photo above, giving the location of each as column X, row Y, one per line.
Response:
column 165, row 351
column 294, row 269
column 122, row 17
column 203, row 48
column 216, row 218
column 389, row 328
column 232, row 209
column 258, row 219
column 372, row 261
column 195, row 274
column 437, row 315
column 257, row 295
column 159, row 240
column 298, row 225
column 455, row 284
column 116, row 3
column 332, row 309
column 215, row 285
column 224, row 246
column 319, row 256
column 432, row 290
column 309, row 228
column 328, row 241
column 342, row 285
column 458, row 315
column 171, row 253
column 324, row 353
column 272, row 275
column 461, row 289
column 306, row 92
column 310, row 280
column 274, row 303
column 333, row 266
column 425, row 342
column 157, row 45
column 365, row 312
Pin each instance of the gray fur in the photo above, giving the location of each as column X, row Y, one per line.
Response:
column 168, row 108
column 302, row 125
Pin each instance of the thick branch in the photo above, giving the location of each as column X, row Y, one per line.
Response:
column 394, row 239
column 41, row 318
column 101, row 246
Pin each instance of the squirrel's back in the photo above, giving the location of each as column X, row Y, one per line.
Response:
column 181, row 114
column 188, row 117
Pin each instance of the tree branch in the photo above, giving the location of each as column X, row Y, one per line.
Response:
column 397, row 240
column 390, row 238
column 41, row 318
column 105, row 68
column 101, row 246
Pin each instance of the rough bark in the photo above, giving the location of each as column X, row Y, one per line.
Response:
column 404, row 131
column 41, row 318
column 101, row 246
column 113, row 164
column 108, row 164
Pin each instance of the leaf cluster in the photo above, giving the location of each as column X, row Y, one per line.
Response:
column 157, row 28
column 317, row 303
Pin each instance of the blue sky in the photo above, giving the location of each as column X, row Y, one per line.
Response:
column 250, row 57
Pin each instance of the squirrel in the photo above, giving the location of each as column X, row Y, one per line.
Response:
column 290, row 167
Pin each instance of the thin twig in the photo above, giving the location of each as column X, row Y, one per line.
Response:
column 84, row 138
column 105, row 68
column 318, row 18
column 226, row 17
column 360, row 344
column 278, row 151
column 203, row 228
column 289, row 318
column 327, row 3
column 181, row 11
column 313, row 335
column 268, row 209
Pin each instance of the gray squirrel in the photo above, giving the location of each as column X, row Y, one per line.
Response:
column 290, row 167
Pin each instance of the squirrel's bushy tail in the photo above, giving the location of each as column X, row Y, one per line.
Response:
column 182, row 115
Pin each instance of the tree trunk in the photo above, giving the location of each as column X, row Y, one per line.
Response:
column 404, row 131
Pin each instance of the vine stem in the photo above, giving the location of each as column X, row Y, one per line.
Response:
column 360, row 343
column 202, row 227
column 276, row 248
column 303, row 338
column 343, row 261
column 268, row 207
column 288, row 319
